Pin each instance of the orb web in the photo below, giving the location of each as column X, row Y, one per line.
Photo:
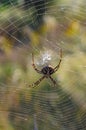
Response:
column 45, row 106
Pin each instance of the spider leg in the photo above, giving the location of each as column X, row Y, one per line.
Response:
column 33, row 64
column 37, row 82
column 57, row 67
column 54, row 82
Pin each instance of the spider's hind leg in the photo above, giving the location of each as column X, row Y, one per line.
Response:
column 37, row 82
column 54, row 82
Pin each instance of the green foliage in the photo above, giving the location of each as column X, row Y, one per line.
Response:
column 8, row 2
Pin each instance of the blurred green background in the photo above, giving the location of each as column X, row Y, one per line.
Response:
column 42, row 27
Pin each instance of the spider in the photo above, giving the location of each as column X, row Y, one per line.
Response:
column 46, row 71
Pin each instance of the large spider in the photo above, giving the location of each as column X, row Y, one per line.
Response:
column 46, row 71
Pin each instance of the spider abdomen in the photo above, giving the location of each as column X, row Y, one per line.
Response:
column 47, row 70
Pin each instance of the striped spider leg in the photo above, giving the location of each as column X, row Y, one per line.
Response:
column 54, row 82
column 34, row 66
column 37, row 82
column 57, row 67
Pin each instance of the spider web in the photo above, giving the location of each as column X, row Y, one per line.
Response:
column 45, row 106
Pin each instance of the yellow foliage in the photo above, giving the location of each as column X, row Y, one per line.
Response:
column 5, row 44
column 73, row 28
column 35, row 38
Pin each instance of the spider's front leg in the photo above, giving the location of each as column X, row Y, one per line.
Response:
column 57, row 67
column 54, row 82
column 33, row 64
column 37, row 82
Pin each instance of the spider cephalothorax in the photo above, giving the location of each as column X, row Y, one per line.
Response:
column 46, row 71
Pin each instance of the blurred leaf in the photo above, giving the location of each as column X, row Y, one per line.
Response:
column 73, row 28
